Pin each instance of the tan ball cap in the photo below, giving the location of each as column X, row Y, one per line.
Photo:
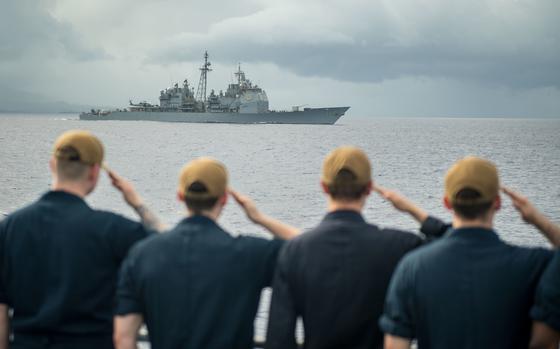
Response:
column 349, row 158
column 89, row 148
column 473, row 173
column 208, row 171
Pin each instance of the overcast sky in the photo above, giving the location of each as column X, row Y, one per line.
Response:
column 381, row 57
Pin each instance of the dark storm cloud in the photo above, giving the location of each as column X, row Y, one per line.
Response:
column 382, row 57
column 28, row 30
column 511, row 43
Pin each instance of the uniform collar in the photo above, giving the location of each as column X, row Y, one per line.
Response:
column 60, row 195
column 199, row 222
column 202, row 225
column 199, row 219
column 475, row 234
column 344, row 215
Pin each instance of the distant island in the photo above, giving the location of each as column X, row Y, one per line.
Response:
column 17, row 101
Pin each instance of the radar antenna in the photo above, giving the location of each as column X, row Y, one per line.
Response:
column 201, row 91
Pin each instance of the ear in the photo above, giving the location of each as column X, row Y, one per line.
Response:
column 52, row 164
column 93, row 175
column 447, row 204
column 497, row 203
column 223, row 199
column 180, row 196
column 369, row 188
column 325, row 188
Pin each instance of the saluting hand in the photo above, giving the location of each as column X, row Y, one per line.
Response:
column 247, row 205
column 277, row 228
column 533, row 216
column 528, row 212
column 125, row 187
column 400, row 202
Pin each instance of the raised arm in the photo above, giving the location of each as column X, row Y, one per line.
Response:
column 278, row 229
column 134, row 200
column 402, row 204
column 432, row 227
column 534, row 217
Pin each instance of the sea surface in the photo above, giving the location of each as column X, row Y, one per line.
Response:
column 279, row 165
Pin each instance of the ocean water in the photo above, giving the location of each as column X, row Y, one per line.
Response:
column 279, row 165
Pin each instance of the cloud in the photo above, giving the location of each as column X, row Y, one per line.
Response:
column 497, row 42
column 28, row 30
column 382, row 57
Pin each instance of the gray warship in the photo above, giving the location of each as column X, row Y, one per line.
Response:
column 242, row 103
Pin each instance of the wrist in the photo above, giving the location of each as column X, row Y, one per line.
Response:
column 537, row 220
column 259, row 218
column 419, row 214
column 408, row 209
column 136, row 204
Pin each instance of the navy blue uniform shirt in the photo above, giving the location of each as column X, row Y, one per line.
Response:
column 197, row 286
column 547, row 304
column 59, row 262
column 467, row 290
column 335, row 277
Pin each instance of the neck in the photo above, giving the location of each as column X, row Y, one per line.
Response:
column 476, row 223
column 70, row 187
column 336, row 205
column 211, row 214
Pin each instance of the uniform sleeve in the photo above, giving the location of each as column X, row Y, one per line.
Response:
column 434, row 228
column 3, row 295
column 128, row 299
column 125, row 234
column 397, row 318
column 547, row 302
column 283, row 314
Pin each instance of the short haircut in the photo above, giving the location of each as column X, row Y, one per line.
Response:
column 68, row 165
column 197, row 205
column 470, row 211
column 344, row 186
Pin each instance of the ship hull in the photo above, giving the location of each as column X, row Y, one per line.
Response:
column 321, row 116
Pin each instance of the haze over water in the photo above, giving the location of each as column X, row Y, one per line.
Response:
column 279, row 165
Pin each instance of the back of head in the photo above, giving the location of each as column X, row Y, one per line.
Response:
column 346, row 173
column 202, row 182
column 471, row 187
column 75, row 152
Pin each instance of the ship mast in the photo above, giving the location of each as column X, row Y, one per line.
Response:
column 240, row 74
column 201, row 91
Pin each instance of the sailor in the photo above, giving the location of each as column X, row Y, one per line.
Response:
column 335, row 276
column 59, row 258
column 471, row 289
column 197, row 286
column 546, row 310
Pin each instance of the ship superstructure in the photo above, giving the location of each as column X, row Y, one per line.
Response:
column 242, row 102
